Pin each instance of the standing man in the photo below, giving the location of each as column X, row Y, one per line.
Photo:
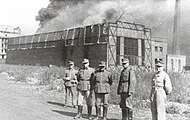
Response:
column 126, row 89
column 84, row 92
column 161, row 86
column 70, row 84
column 101, row 81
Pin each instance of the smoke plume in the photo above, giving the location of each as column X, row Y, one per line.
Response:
column 62, row 14
column 154, row 14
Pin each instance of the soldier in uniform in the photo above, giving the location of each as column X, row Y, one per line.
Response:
column 126, row 88
column 100, row 82
column 83, row 87
column 70, row 84
column 161, row 86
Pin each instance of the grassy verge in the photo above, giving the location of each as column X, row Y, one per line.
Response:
column 49, row 75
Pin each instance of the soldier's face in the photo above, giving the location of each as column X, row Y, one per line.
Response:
column 85, row 65
column 71, row 65
column 125, row 65
column 101, row 67
column 159, row 68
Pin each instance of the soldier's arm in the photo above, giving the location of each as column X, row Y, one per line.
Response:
column 65, row 75
column 110, row 78
column 132, row 82
column 167, row 84
column 92, row 81
column 119, row 85
column 78, row 75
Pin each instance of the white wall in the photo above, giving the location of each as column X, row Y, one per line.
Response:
column 175, row 63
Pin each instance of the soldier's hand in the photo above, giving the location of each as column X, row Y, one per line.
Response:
column 130, row 93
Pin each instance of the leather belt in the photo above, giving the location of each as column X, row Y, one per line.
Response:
column 124, row 81
column 101, row 81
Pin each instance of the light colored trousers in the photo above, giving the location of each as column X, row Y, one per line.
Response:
column 158, row 104
column 73, row 92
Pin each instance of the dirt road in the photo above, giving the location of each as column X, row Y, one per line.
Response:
column 19, row 101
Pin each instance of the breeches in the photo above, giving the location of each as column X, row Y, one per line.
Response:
column 85, row 96
column 101, row 98
column 126, row 101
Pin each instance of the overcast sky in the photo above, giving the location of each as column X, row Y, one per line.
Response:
column 21, row 13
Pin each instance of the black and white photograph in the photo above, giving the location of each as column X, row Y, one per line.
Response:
column 95, row 60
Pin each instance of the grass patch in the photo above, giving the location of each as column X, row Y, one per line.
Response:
column 49, row 75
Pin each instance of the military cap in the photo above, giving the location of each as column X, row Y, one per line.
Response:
column 102, row 63
column 125, row 60
column 85, row 61
column 71, row 62
column 160, row 64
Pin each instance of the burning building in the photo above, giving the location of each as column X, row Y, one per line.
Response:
column 108, row 41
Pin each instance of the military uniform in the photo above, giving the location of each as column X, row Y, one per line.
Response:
column 101, row 82
column 161, row 86
column 83, row 87
column 126, row 88
column 70, row 85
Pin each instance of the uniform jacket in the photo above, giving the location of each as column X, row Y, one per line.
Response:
column 127, row 81
column 72, row 74
column 161, row 80
column 101, row 81
column 83, row 77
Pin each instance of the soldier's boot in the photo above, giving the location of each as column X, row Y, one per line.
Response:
column 90, row 112
column 80, row 108
column 124, row 114
column 98, row 113
column 105, row 112
column 130, row 114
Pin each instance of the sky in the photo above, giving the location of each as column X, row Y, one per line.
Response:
column 21, row 13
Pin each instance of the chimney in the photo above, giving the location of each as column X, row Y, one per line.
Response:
column 176, row 29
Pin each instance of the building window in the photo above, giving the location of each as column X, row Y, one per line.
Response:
column 179, row 63
column 69, row 41
column 156, row 49
column 172, row 64
column 161, row 49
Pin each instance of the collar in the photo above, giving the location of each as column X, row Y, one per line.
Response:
column 86, row 68
column 71, row 68
column 101, row 70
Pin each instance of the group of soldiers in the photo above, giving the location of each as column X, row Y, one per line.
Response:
column 83, row 84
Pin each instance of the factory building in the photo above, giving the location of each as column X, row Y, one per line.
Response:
column 6, row 32
column 159, row 50
column 107, row 41
column 175, row 63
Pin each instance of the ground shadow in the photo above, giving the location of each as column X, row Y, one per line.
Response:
column 56, row 103
column 70, row 114
column 59, row 104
